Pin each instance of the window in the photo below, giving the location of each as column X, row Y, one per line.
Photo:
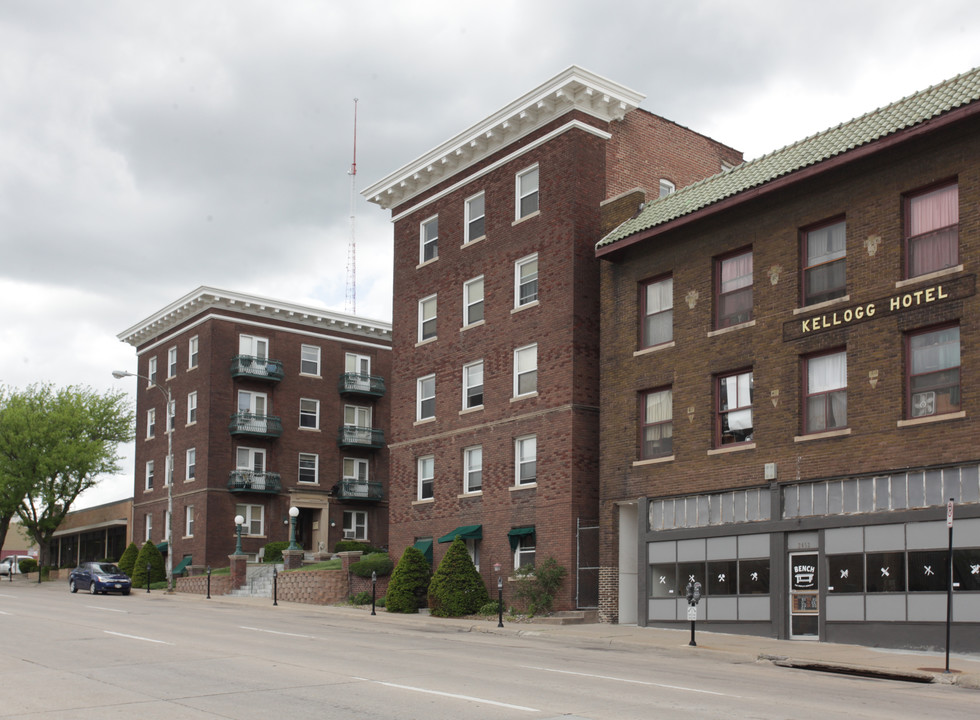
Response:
column 735, row 408
column 734, row 290
column 473, row 469
column 308, row 468
column 309, row 413
column 151, row 370
column 151, row 423
column 526, row 460
column 309, row 360
column 885, row 572
column 355, row 477
column 191, row 464
column 657, row 308
column 932, row 230
column 527, row 192
column 148, row 525
column 357, row 416
column 826, row 392
column 658, row 424
column 252, row 403
column 666, row 187
column 934, row 372
column 192, row 348
column 825, row 250
column 526, row 370
column 254, row 347
column 846, row 573
column 359, row 364
column 475, row 218
column 426, row 402
column 426, row 473
column 189, row 521
column 473, row 385
column 149, row 474
column 473, row 301
column 172, row 362
column 526, row 281
column 355, row 525
column 191, row 408
column 429, row 241
column 523, row 550
column 250, row 467
column 254, row 519
column 427, row 318
column 473, row 548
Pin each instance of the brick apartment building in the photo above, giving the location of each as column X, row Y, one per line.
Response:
column 276, row 405
column 495, row 392
column 787, row 406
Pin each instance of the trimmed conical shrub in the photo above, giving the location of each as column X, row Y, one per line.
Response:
column 409, row 583
column 148, row 554
column 456, row 588
column 127, row 561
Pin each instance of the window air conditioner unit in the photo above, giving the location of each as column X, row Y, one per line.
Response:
column 349, row 535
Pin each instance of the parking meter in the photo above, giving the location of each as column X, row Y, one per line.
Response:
column 693, row 597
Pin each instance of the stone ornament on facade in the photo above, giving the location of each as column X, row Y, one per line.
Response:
column 774, row 396
column 692, row 298
column 690, row 413
column 774, row 273
column 872, row 244
column 873, row 377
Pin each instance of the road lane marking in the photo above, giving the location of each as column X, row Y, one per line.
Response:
column 7, row 596
column 635, row 682
column 276, row 632
column 137, row 637
column 3, row 613
column 455, row 696
column 96, row 607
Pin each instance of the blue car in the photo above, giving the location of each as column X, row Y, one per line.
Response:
column 99, row 577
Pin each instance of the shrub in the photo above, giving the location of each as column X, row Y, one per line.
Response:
column 375, row 562
column 273, row 551
column 457, row 588
column 538, row 585
column 491, row 608
column 409, row 583
column 148, row 554
column 27, row 565
column 349, row 545
column 381, row 601
column 127, row 561
column 361, row 598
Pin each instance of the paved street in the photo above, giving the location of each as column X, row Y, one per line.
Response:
column 159, row 656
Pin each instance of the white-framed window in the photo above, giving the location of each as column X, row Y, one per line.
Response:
column 666, row 187
column 526, row 280
column 189, row 521
column 151, row 423
column 191, row 407
column 356, row 477
column 151, row 370
column 252, row 346
column 309, row 468
column 429, row 239
column 526, row 370
column 473, row 301
column 473, row 548
column 527, row 192
column 526, row 460
column 254, row 519
column 150, row 465
column 309, row 360
column 473, row 469
column 355, row 525
column 147, row 526
column 473, row 385
column 475, row 220
column 191, row 464
column 427, row 318
column 252, row 409
column 357, row 416
column 172, row 362
column 192, row 350
column 524, row 551
column 426, row 397
column 309, row 413
column 360, row 364
column 250, row 461
column 426, row 475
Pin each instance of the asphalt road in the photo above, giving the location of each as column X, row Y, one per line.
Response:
column 159, row 656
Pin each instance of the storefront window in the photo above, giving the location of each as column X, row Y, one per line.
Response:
column 723, row 577
column 886, row 572
column 753, row 577
column 966, row 569
column 663, row 581
column 927, row 570
column 846, row 573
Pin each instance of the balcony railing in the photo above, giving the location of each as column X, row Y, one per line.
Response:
column 351, row 489
column 257, row 368
column 362, row 437
column 361, row 384
column 252, row 481
column 252, row 424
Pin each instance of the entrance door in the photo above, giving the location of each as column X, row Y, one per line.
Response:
column 804, row 597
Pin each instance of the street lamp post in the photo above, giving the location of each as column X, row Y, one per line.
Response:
column 293, row 514
column 118, row 374
column 239, row 521
column 500, row 595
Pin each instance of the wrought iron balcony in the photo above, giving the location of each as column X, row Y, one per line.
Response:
column 252, row 424
column 251, row 481
column 360, row 437
column 360, row 384
column 256, row 368
column 351, row 489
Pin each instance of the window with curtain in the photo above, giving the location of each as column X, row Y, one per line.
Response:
column 934, row 372
column 826, row 392
column 657, row 306
column 825, row 250
column 734, row 305
column 735, row 408
column 658, row 425
column 932, row 230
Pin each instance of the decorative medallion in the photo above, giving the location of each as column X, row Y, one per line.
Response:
column 872, row 244
column 692, row 298
column 774, row 272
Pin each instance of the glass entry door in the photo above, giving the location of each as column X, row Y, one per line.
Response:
column 804, row 597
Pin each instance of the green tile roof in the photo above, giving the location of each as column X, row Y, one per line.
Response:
column 905, row 113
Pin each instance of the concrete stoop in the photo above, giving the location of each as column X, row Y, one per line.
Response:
column 569, row 617
column 258, row 582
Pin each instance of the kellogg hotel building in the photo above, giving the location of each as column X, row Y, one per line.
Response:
column 791, row 386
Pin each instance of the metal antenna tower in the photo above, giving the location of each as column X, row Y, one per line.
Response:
column 351, row 303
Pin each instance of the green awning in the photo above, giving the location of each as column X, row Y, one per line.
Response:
column 516, row 534
column 162, row 547
column 425, row 547
column 181, row 565
column 467, row 532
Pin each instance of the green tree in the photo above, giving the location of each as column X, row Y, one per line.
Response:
column 538, row 584
column 148, row 554
column 457, row 588
column 409, row 583
column 54, row 445
column 127, row 561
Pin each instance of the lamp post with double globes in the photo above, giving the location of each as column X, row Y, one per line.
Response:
column 165, row 390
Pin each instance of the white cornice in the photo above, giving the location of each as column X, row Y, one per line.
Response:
column 205, row 298
column 573, row 89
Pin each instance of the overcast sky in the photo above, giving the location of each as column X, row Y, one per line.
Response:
column 148, row 148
